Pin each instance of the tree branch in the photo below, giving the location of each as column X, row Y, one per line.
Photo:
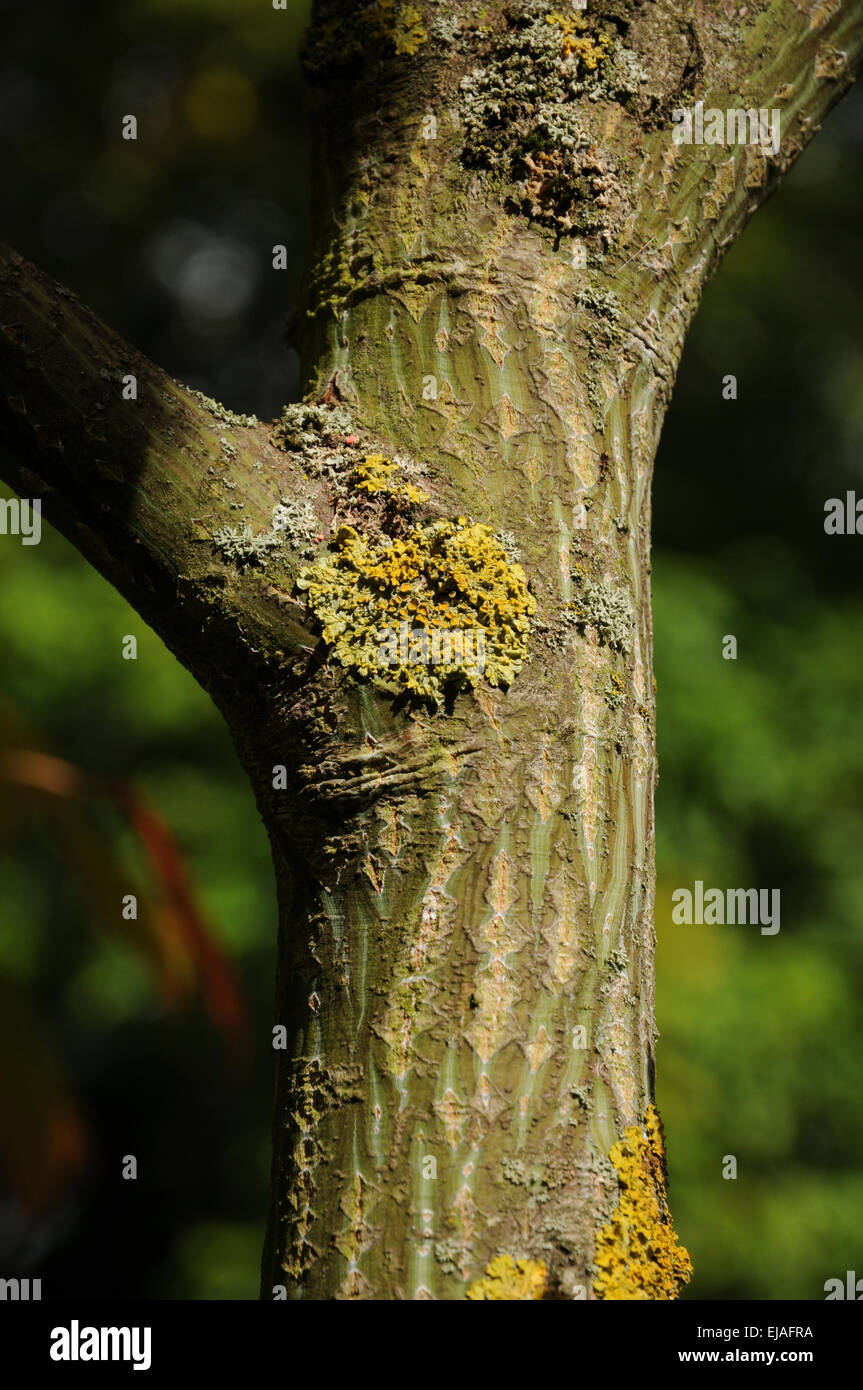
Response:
column 142, row 485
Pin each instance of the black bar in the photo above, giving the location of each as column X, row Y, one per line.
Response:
column 297, row 1340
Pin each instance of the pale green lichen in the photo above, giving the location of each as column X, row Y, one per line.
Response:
column 507, row 542
column 524, row 117
column 243, row 547
column 605, row 305
column 581, row 1095
column 446, row 28
column 221, row 412
column 638, row 1255
column 305, row 426
column 605, row 608
column 509, row 1280
column 534, row 1181
column 449, row 1255
column 295, row 518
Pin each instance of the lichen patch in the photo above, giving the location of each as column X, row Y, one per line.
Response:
column 638, row 1255
column 509, row 1280
column 419, row 610
column 527, row 122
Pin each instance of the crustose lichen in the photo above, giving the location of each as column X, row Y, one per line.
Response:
column 589, row 48
column 526, row 109
column 638, row 1255
column 379, row 476
column 421, row 607
column 508, row 1280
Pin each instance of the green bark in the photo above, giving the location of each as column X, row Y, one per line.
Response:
column 479, row 909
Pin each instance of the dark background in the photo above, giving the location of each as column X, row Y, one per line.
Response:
column 169, row 240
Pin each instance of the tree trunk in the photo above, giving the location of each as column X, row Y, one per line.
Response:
column 510, row 249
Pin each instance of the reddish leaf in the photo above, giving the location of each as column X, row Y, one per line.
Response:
column 43, row 1140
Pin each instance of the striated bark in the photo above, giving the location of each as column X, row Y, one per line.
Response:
column 465, row 894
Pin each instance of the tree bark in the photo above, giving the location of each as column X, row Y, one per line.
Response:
column 465, row 892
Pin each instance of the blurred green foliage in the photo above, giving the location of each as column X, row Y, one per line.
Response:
column 761, row 758
column 156, row 1084
column 169, row 237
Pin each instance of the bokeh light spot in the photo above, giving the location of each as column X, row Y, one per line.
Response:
column 221, row 104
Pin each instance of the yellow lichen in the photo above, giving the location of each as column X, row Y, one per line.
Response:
column 430, row 611
column 379, row 475
column 638, row 1255
column 401, row 25
column 376, row 28
column 510, row 1280
column 590, row 49
column 409, row 32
